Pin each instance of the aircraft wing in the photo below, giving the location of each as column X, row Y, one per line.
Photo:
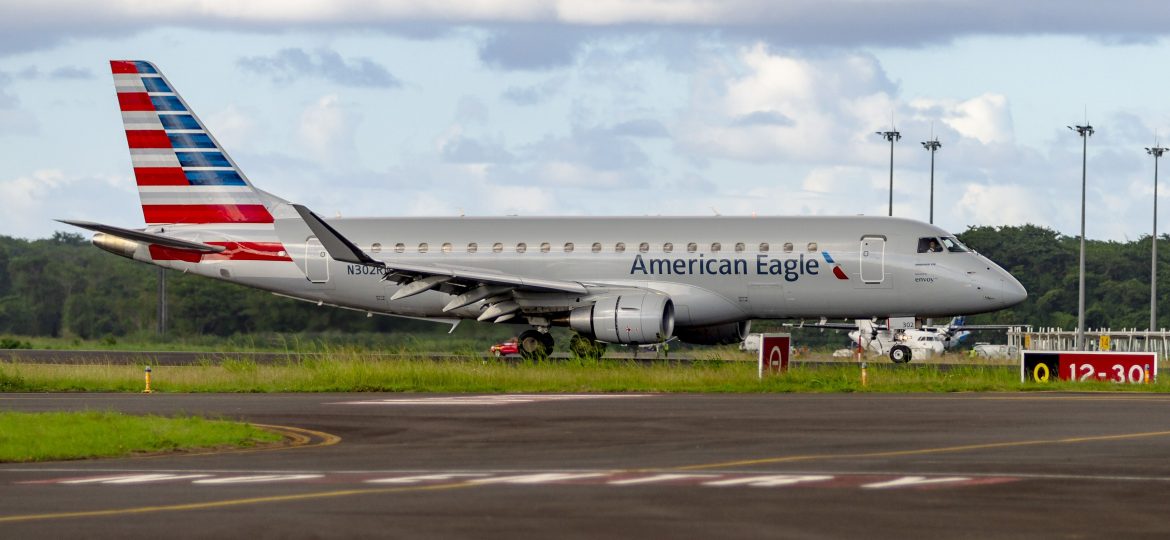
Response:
column 423, row 277
column 830, row 325
column 986, row 326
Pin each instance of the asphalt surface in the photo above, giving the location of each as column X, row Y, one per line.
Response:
column 641, row 466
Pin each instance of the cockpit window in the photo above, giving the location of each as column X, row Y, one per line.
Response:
column 954, row 245
column 929, row 244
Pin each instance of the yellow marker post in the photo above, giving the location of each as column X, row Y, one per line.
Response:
column 864, row 375
column 147, row 390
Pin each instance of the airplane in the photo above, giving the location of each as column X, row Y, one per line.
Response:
column 900, row 344
column 620, row 280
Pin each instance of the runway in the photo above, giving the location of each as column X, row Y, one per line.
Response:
column 626, row 465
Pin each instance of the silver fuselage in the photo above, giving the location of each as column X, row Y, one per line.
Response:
column 881, row 274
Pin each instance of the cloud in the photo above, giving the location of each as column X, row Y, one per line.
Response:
column 531, row 47
column 762, row 118
column 461, row 149
column 535, row 94
column 640, row 127
column 537, row 34
column 986, row 118
column 326, row 131
column 768, row 106
column 32, row 200
column 30, row 73
column 291, row 64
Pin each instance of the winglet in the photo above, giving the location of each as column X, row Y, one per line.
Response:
column 338, row 246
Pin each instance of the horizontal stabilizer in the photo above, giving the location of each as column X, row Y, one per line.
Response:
column 145, row 237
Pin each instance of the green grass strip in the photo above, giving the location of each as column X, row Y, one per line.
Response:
column 355, row 372
column 76, row 435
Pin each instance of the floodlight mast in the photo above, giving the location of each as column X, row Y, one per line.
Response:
column 1084, row 132
column 933, row 145
column 1155, row 151
column 891, row 136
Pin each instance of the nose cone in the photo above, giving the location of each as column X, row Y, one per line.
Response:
column 1013, row 293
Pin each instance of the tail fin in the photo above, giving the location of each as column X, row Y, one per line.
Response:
column 183, row 174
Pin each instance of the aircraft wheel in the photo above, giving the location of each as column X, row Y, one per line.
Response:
column 900, row 354
column 533, row 344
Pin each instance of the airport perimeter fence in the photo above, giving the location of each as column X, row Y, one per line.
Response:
column 1100, row 339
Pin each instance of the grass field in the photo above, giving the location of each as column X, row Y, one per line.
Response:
column 77, row 435
column 357, row 372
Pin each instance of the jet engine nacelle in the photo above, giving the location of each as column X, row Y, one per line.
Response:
column 626, row 318
column 717, row 334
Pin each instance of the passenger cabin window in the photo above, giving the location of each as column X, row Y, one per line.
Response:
column 929, row 244
column 521, row 247
column 644, row 247
column 739, row 247
column 569, row 247
column 763, row 247
column 812, row 247
column 715, row 247
column 954, row 245
column 620, row 247
column 497, row 247
column 667, row 247
column 692, row 247
column 399, row 247
column 423, row 247
column 446, row 247
column 597, row 247
column 472, row 247
column 545, row 247
column 376, row 248
column 787, row 247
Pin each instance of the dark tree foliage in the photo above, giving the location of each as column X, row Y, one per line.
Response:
column 63, row 286
column 1117, row 277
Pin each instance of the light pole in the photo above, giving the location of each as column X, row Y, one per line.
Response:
column 1156, row 151
column 1085, row 132
column 933, row 145
column 891, row 136
column 162, row 301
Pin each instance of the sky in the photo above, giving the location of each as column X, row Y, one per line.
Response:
column 605, row 107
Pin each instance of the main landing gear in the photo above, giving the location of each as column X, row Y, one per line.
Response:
column 535, row 344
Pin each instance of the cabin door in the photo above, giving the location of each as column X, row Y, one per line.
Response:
column 873, row 259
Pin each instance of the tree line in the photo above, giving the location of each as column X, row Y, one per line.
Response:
column 62, row 286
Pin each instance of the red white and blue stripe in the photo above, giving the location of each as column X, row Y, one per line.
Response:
column 183, row 175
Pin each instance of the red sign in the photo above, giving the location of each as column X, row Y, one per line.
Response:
column 1121, row 367
column 774, row 350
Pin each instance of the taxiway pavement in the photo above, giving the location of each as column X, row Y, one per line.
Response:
column 624, row 465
